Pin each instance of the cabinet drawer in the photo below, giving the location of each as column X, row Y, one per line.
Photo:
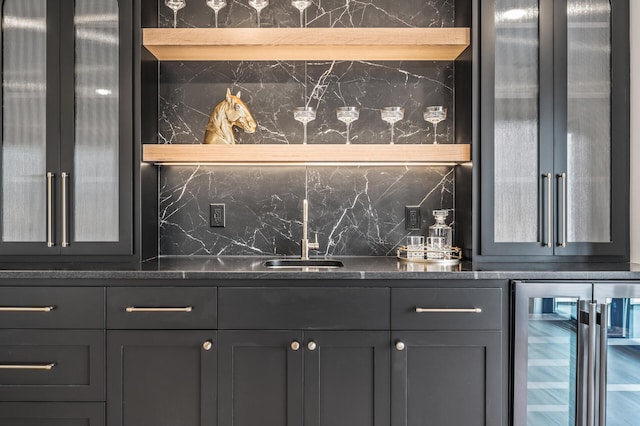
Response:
column 52, row 365
column 52, row 307
column 446, row 309
column 161, row 308
column 312, row 308
column 52, row 413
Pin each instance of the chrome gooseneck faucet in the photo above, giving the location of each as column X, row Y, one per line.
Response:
column 305, row 245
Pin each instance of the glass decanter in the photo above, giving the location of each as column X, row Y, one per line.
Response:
column 441, row 229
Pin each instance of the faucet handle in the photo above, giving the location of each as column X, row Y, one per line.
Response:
column 315, row 245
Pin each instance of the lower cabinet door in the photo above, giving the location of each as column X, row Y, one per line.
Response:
column 346, row 379
column 161, row 378
column 260, row 378
column 448, row 378
column 51, row 414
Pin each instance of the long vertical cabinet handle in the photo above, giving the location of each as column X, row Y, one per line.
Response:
column 581, row 361
column 563, row 178
column 65, row 212
column 602, row 368
column 591, row 365
column 549, row 211
column 50, row 236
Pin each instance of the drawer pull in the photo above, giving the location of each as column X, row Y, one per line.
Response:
column 48, row 366
column 449, row 310
column 27, row 308
column 135, row 309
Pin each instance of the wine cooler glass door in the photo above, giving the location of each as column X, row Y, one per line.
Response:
column 623, row 352
column 546, row 353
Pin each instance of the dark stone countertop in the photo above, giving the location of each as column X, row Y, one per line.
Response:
column 356, row 268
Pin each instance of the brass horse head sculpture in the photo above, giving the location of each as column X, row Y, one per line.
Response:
column 228, row 113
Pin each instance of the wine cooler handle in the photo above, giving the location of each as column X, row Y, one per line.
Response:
column 581, row 394
column 602, row 370
column 591, row 364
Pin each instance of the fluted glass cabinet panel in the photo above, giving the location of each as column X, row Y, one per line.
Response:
column 516, row 121
column 95, row 181
column 24, row 120
column 588, row 186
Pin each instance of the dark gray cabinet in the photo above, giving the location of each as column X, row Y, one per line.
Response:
column 66, row 158
column 313, row 378
column 52, row 356
column 260, row 378
column 446, row 361
column 161, row 378
column 555, row 130
column 446, row 378
column 161, row 358
column 51, row 414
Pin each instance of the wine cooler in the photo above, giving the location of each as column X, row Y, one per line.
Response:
column 576, row 354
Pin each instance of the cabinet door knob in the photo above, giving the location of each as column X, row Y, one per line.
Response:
column 207, row 345
column 312, row 345
column 295, row 345
column 400, row 346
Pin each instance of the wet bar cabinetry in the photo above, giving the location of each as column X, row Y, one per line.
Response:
column 555, row 152
column 232, row 355
column 67, row 112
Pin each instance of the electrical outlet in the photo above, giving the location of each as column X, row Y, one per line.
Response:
column 217, row 216
column 412, row 220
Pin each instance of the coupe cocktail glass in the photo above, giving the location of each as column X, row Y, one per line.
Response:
column 216, row 5
column 175, row 5
column 348, row 115
column 434, row 115
column 258, row 5
column 392, row 115
column 304, row 115
column 301, row 5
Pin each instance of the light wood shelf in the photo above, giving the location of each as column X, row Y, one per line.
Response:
column 268, row 44
column 306, row 154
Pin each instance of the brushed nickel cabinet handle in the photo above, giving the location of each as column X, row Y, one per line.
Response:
column 449, row 310
column 549, row 211
column 312, row 345
column 400, row 346
column 136, row 309
column 563, row 177
column 27, row 308
column 50, row 239
column 207, row 345
column 47, row 367
column 295, row 345
column 65, row 213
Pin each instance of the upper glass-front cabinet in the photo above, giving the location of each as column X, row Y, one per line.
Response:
column 554, row 162
column 66, row 127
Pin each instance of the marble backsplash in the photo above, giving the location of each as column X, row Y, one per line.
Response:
column 356, row 210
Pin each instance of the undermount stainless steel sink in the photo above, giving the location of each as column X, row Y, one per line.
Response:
column 303, row 263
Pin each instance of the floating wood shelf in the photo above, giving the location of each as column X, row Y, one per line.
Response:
column 269, row 44
column 305, row 154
